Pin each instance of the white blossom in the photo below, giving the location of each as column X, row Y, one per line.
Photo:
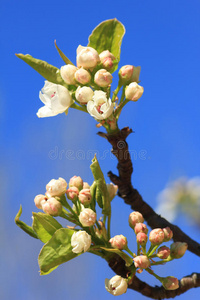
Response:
column 100, row 107
column 56, row 187
column 80, row 241
column 56, row 99
column 116, row 285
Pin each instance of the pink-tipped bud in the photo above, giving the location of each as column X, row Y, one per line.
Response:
column 103, row 78
column 86, row 185
column 82, row 76
column 87, row 217
column 84, row 94
column 85, row 196
column 142, row 238
column 52, row 207
column 72, row 193
column 107, row 59
column 118, row 242
column 56, row 187
column 141, row 262
column 67, row 73
column 178, row 249
column 39, row 200
column 112, row 190
column 77, row 182
column 134, row 218
column 156, row 236
column 140, row 227
column 163, row 252
column 87, row 57
column 170, row 283
column 168, row 234
column 134, row 91
column 126, row 73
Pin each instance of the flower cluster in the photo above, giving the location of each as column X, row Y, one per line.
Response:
column 87, row 87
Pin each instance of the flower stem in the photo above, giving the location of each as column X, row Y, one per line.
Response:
column 116, row 92
column 79, row 107
column 119, row 108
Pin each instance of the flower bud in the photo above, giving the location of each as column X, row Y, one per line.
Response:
column 76, row 181
column 56, row 187
column 125, row 73
column 52, row 207
column 142, row 238
column 86, row 185
column 82, row 76
column 80, row 241
column 85, row 196
column 116, row 285
column 134, row 91
column 141, row 262
column 72, row 193
column 178, row 249
column 112, row 190
column 170, row 283
column 67, row 73
column 118, row 242
column 163, row 252
column 102, row 78
column 140, row 227
column 87, row 57
column 39, row 200
column 168, row 234
column 107, row 59
column 156, row 236
column 135, row 217
column 87, row 217
column 84, row 94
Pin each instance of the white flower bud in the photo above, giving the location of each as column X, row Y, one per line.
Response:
column 178, row 249
column 170, row 283
column 87, row 217
column 72, row 193
column 52, row 207
column 112, row 190
column 76, row 181
column 103, row 78
column 126, row 73
column 116, row 285
column 163, row 252
column 84, row 94
column 118, row 242
column 56, row 187
column 87, row 57
column 56, row 99
column 86, row 185
column 82, row 76
column 85, row 196
column 141, row 262
column 156, row 236
column 107, row 59
column 67, row 73
column 100, row 107
column 134, row 91
column 39, row 199
column 80, row 241
column 134, row 218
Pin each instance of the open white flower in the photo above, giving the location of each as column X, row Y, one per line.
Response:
column 56, row 99
column 100, row 107
column 80, row 241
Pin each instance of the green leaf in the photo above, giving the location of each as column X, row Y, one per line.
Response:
column 45, row 226
column 101, row 186
column 124, row 256
column 63, row 56
column 28, row 229
column 108, row 35
column 56, row 251
column 48, row 71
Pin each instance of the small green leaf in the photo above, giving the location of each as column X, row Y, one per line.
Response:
column 48, row 71
column 56, row 251
column 124, row 256
column 63, row 56
column 28, row 229
column 45, row 226
column 108, row 35
column 101, row 187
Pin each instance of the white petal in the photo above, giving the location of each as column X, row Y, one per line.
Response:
column 45, row 111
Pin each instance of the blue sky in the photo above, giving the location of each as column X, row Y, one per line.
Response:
column 163, row 38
